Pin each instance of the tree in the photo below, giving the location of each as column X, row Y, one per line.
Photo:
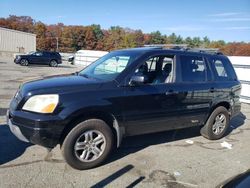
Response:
column 157, row 38
column 40, row 31
column 93, row 37
column 90, row 38
column 189, row 42
column 197, row 42
column 206, row 42
column 172, row 38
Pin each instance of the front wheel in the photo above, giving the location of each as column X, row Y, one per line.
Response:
column 24, row 62
column 217, row 124
column 53, row 63
column 88, row 144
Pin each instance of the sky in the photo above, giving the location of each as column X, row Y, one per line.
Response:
column 227, row 20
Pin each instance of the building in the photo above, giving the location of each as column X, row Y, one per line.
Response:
column 242, row 68
column 12, row 42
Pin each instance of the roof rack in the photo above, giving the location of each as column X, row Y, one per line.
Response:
column 185, row 47
column 179, row 46
column 205, row 50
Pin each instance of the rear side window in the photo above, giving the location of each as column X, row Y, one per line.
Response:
column 222, row 70
column 193, row 69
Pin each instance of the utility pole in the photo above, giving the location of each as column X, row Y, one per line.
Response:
column 57, row 44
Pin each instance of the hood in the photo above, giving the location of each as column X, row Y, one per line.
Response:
column 62, row 83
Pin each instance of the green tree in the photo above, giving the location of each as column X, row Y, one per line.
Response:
column 172, row 38
column 157, row 38
column 189, row 42
column 206, row 42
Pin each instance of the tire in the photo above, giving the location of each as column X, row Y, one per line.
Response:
column 53, row 63
column 85, row 156
column 217, row 124
column 24, row 62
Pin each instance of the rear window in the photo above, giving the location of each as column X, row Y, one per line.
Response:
column 193, row 69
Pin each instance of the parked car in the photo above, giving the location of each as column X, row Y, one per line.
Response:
column 71, row 59
column 124, row 93
column 43, row 58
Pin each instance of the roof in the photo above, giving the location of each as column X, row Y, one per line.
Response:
column 16, row 31
column 172, row 50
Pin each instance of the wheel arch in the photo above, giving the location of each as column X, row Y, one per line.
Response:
column 53, row 59
column 225, row 104
column 108, row 118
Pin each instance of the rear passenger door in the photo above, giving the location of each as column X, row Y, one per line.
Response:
column 195, row 81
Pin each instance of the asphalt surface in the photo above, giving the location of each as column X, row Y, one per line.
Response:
column 180, row 158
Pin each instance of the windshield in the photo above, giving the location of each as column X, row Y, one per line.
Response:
column 109, row 66
column 32, row 52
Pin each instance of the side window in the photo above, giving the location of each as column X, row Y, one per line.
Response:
column 38, row 53
column 221, row 70
column 156, row 70
column 193, row 69
column 151, row 63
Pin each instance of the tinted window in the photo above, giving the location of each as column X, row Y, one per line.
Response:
column 222, row 71
column 156, row 69
column 38, row 53
column 193, row 69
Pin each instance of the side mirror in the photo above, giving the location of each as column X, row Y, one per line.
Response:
column 137, row 80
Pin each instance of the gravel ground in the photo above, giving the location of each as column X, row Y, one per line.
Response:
column 180, row 158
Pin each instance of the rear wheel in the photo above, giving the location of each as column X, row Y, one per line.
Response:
column 53, row 63
column 217, row 124
column 88, row 144
column 24, row 62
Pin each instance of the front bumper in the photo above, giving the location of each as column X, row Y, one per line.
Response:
column 35, row 128
column 17, row 61
column 16, row 131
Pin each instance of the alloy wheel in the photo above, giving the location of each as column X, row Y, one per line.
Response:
column 219, row 124
column 90, row 146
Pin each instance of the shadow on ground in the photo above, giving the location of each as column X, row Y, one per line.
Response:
column 10, row 147
column 137, row 143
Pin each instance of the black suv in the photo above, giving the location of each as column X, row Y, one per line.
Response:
column 42, row 58
column 124, row 93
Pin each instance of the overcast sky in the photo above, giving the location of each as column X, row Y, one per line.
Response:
column 228, row 20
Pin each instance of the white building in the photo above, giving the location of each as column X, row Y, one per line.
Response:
column 12, row 41
column 86, row 57
column 242, row 68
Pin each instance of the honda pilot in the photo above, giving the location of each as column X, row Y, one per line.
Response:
column 124, row 93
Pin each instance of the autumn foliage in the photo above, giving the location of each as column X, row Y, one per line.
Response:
column 74, row 37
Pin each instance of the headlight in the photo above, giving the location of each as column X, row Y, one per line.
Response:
column 42, row 103
column 18, row 57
